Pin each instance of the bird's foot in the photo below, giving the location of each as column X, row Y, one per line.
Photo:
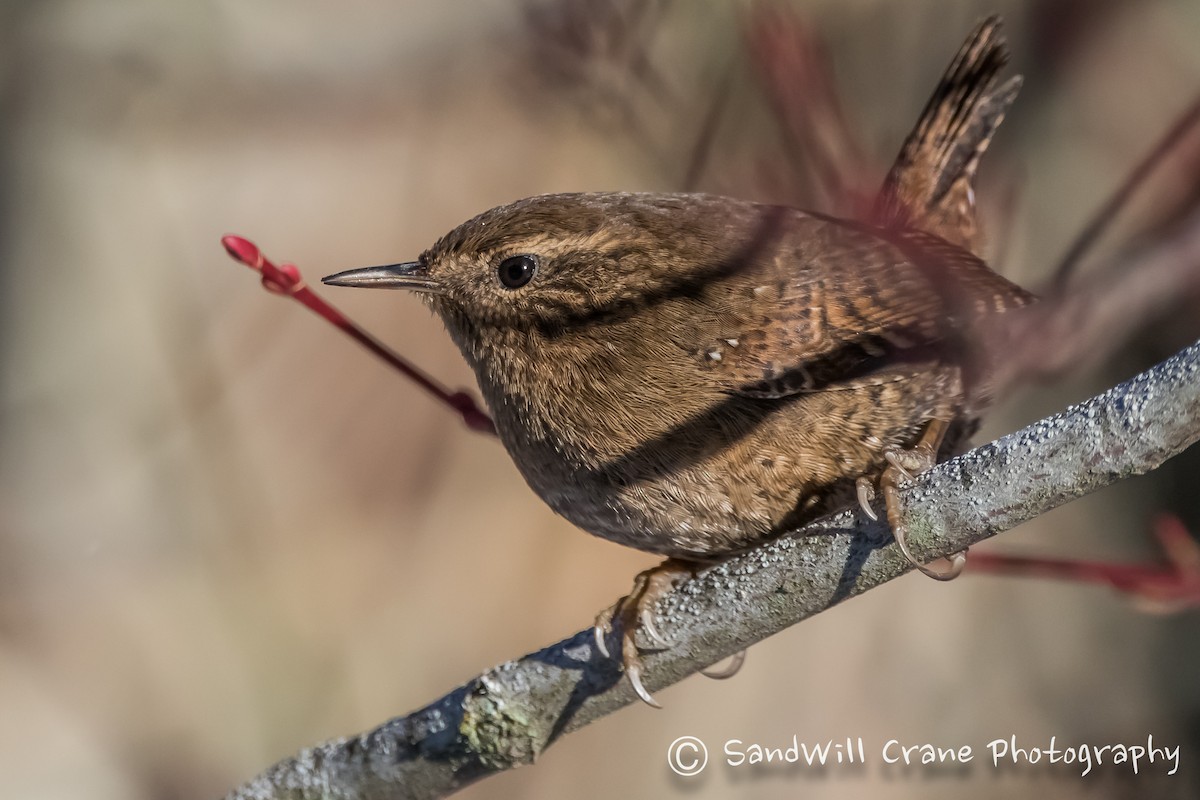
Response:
column 903, row 465
column 636, row 610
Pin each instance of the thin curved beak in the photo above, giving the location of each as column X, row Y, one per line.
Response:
column 412, row 275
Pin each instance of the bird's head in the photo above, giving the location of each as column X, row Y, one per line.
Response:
column 556, row 265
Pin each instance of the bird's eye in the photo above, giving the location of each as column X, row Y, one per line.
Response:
column 517, row 271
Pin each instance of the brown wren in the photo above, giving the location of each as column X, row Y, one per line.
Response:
column 692, row 375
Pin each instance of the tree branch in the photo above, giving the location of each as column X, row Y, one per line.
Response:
column 507, row 716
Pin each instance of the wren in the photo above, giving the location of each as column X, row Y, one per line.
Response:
column 692, row 375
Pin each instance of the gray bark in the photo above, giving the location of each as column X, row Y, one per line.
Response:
column 508, row 715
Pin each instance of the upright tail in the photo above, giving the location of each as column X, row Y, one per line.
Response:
column 930, row 184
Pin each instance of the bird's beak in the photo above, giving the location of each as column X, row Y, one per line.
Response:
column 413, row 275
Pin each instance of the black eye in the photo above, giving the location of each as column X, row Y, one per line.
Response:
column 517, row 271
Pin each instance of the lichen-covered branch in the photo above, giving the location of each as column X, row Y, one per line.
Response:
column 510, row 714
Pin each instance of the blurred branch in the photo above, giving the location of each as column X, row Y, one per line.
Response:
column 507, row 716
column 1083, row 323
column 1158, row 155
column 797, row 76
column 1167, row 588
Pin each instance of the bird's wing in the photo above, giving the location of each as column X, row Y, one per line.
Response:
column 833, row 311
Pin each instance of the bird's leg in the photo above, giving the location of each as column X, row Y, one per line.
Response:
column 636, row 610
column 903, row 464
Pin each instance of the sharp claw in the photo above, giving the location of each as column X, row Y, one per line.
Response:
column 735, row 666
column 603, row 627
column 633, row 671
column 949, row 575
column 958, row 561
column 866, row 493
column 894, row 460
column 900, row 534
column 601, row 644
column 647, row 620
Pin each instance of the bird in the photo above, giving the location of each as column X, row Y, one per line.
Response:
column 692, row 375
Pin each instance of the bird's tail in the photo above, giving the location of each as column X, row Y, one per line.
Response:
column 930, row 184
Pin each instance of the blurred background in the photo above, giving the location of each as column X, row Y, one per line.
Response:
column 227, row 533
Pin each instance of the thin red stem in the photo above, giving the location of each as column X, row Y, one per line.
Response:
column 1173, row 586
column 286, row 280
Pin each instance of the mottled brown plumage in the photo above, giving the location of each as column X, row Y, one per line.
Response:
column 691, row 375
column 688, row 374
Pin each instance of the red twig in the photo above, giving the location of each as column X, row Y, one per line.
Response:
column 286, row 280
column 1173, row 587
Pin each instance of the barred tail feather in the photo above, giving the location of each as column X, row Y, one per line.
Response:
column 930, row 184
